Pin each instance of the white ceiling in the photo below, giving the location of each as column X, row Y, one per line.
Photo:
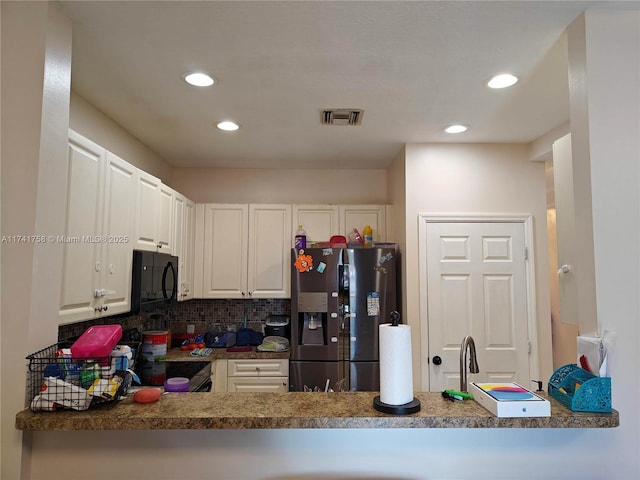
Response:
column 413, row 67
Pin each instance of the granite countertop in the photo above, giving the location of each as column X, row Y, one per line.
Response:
column 295, row 410
column 175, row 354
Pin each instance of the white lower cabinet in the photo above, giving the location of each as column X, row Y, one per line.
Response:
column 251, row 375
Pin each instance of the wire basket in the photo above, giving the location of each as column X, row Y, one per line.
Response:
column 56, row 380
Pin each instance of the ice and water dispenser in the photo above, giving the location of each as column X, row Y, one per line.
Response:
column 312, row 318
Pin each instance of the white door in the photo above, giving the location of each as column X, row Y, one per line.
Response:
column 476, row 285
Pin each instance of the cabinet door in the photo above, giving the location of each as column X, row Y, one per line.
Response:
column 319, row 221
column 188, row 249
column 165, row 220
column 269, row 246
column 357, row 216
column 117, row 235
column 178, row 238
column 81, row 264
column 219, row 375
column 258, row 384
column 148, row 199
column 225, row 251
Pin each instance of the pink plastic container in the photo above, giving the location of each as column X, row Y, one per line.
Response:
column 97, row 341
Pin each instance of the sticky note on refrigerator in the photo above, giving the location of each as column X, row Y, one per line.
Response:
column 373, row 304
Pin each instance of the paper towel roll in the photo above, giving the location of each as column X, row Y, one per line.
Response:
column 396, row 376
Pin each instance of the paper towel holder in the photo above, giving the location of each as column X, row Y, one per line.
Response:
column 405, row 409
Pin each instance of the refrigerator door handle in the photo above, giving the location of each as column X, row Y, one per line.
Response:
column 344, row 319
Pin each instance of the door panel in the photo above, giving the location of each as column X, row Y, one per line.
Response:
column 83, row 218
column 119, row 222
column 476, row 285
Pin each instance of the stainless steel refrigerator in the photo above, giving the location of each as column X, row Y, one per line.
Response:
column 339, row 296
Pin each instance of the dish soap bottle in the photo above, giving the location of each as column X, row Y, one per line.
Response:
column 368, row 236
column 300, row 238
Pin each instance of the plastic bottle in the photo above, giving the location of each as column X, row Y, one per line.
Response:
column 355, row 237
column 368, row 236
column 300, row 238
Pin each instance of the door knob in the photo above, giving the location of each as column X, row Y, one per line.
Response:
column 437, row 360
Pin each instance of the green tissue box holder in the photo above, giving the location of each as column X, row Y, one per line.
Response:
column 580, row 390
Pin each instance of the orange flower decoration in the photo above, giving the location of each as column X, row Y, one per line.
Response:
column 304, row 263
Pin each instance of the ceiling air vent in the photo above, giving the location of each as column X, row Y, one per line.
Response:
column 342, row 116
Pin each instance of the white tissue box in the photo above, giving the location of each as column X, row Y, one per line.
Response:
column 509, row 400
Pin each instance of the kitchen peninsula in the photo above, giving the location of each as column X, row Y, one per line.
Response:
column 197, row 411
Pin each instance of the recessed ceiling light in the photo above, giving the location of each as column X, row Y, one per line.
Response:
column 199, row 79
column 456, row 128
column 228, row 126
column 503, row 80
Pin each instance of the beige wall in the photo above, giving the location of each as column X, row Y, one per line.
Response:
column 36, row 76
column 397, row 198
column 563, row 334
column 228, row 185
column 96, row 126
column 474, row 179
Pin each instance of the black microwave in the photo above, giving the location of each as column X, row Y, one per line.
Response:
column 155, row 281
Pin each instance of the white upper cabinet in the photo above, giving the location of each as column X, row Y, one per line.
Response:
column 224, row 259
column 118, row 228
column 182, row 243
column 165, row 228
column 245, row 250
column 188, row 248
column 321, row 222
column 358, row 216
column 154, row 217
column 270, row 235
column 147, row 213
column 99, row 226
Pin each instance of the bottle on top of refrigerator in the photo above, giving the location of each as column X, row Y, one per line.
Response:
column 368, row 236
column 300, row 238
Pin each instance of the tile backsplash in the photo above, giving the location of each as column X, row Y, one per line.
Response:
column 204, row 315
column 220, row 315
